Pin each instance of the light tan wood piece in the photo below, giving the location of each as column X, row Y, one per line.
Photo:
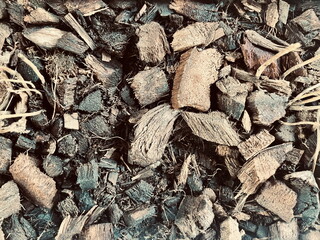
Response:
column 213, row 127
column 229, row 230
column 37, row 185
column 284, row 231
column 272, row 14
column 196, row 72
column 9, row 200
column 101, row 231
column 41, row 16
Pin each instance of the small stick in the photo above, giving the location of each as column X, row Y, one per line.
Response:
column 33, row 67
column 285, row 51
column 313, row 99
column 303, row 93
column 290, row 70
column 304, row 108
column 316, row 153
column 16, row 115
column 24, row 90
column 300, row 123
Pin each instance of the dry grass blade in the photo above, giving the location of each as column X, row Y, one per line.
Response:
column 290, row 70
column 285, row 51
column 17, row 75
column 17, row 81
column 299, row 123
column 17, row 115
column 316, row 153
column 304, row 108
column 33, row 67
column 310, row 100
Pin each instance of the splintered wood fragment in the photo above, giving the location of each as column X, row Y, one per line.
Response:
column 275, row 85
column 184, row 171
column 197, row 11
column 101, row 231
column 266, row 108
column 71, row 43
column 308, row 21
column 151, row 135
column 66, row 92
column 87, row 8
column 152, row 44
column 212, row 127
column 246, row 121
column 229, row 230
column 41, row 16
column 252, row 5
column 72, row 226
column 262, row 167
column 138, row 215
column 195, row 214
column 285, row 230
column 255, row 144
column 5, row 154
column 71, row 121
column 197, row 34
column 80, row 30
column 261, row 41
column 37, row 185
column 196, row 72
column 9, row 200
column 140, row 192
column 278, row 198
column 232, row 98
column 255, row 56
column 87, row 175
column 272, row 14
column 5, row 31
column 284, row 8
column 150, row 85
column 231, row 157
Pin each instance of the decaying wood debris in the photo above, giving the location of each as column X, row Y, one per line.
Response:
column 229, row 229
column 198, row 69
column 9, row 200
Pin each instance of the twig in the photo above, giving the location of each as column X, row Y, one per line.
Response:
column 316, row 153
column 300, row 123
column 17, row 81
column 17, row 115
column 304, row 94
column 285, row 51
column 304, row 108
column 32, row 66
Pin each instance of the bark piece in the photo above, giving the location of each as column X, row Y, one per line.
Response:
column 5, row 154
column 101, row 231
column 9, row 200
column 92, row 102
column 52, row 165
column 41, row 16
column 266, row 108
column 150, row 85
column 40, row 187
column 278, row 198
column 272, row 14
column 71, row 121
column 255, row 144
column 197, row 11
column 141, row 192
column 5, row 31
column 229, row 230
column 68, row 207
column 307, row 207
column 87, row 175
column 3, row 13
column 109, row 73
column 98, row 126
column 212, row 127
column 230, row 157
column 137, row 216
column 115, row 213
column 284, row 8
column 68, row 146
column 196, row 72
column 195, row 214
column 80, row 30
column 197, row 34
column 66, row 92
column 232, row 98
column 308, row 21
column 19, row 228
column 152, row 44
column 26, row 143
column 87, row 8
column 151, row 135
column 71, row 43
column 283, row 231
column 255, row 56
column 262, row 167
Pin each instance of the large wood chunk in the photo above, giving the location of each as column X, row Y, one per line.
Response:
column 152, row 44
column 262, row 167
column 9, row 200
column 232, row 98
column 150, row 85
column 255, row 144
column 197, row 11
column 266, row 108
column 285, row 231
column 197, row 34
column 101, row 231
column 152, row 134
column 229, row 230
column 308, row 21
column 278, row 198
column 37, row 185
column 196, row 72
column 5, row 154
column 212, row 127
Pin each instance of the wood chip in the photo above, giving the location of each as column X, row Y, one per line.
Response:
column 66, row 92
column 197, row 11
column 152, row 44
column 262, row 167
column 87, row 175
column 284, row 231
column 69, row 42
column 284, row 8
column 212, row 127
column 272, row 14
column 37, row 185
column 5, row 154
column 231, row 159
column 9, row 200
column 255, row 144
column 246, row 121
column 151, row 135
column 229, row 230
column 41, row 16
column 196, row 72
column 138, row 215
column 266, row 108
column 150, row 85
column 308, row 21
column 87, row 8
column 71, row 121
column 278, row 198
column 5, row 31
column 197, row 34
column 101, row 231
